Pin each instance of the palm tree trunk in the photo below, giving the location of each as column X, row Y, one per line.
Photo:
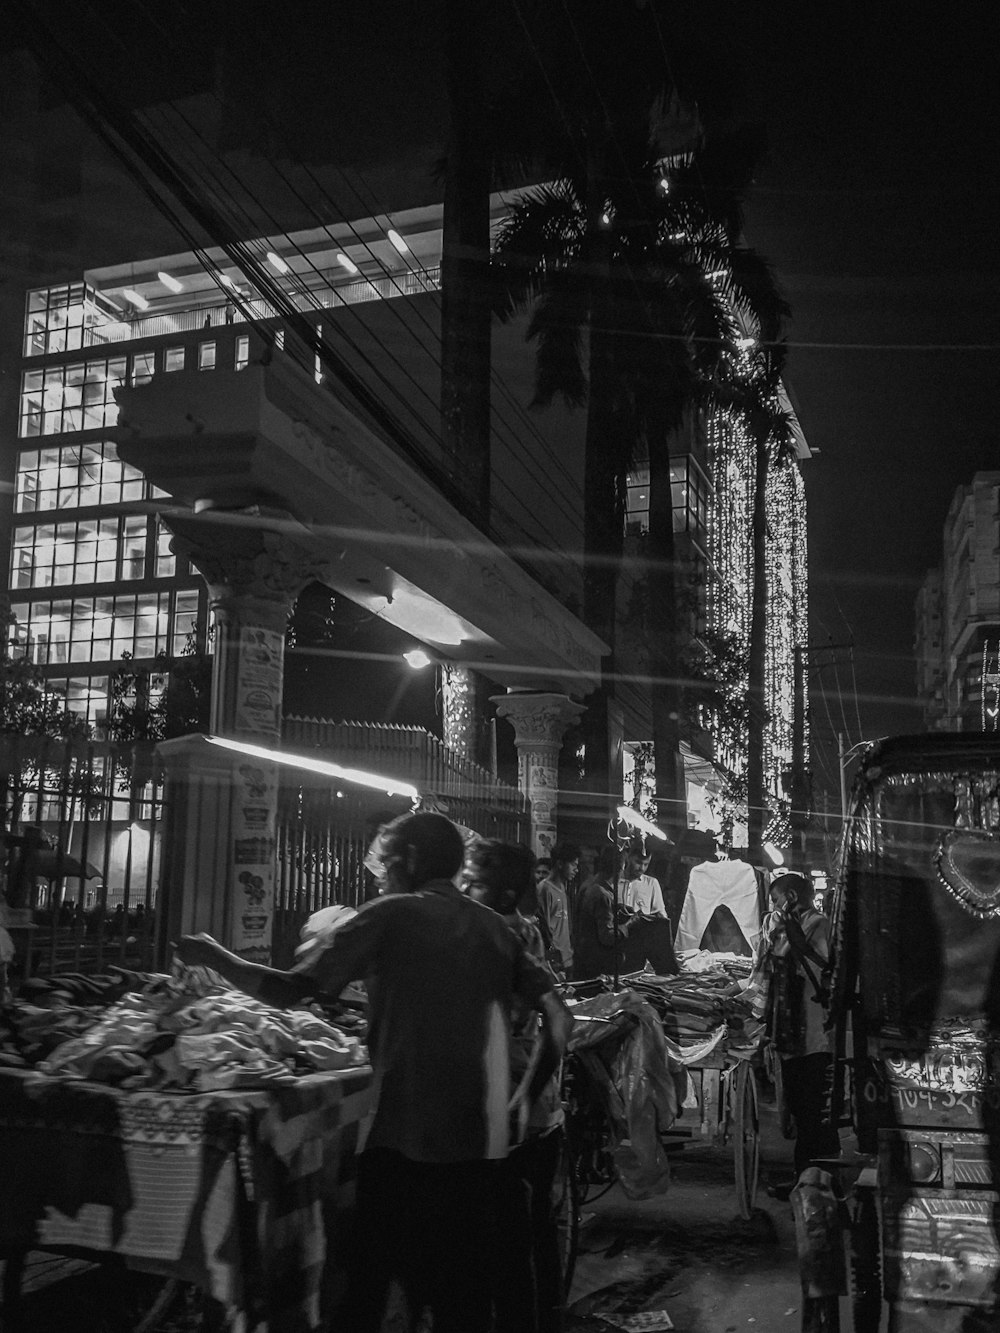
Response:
column 465, row 294
column 756, row 819
column 603, row 487
column 671, row 794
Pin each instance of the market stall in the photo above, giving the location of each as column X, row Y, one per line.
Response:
column 228, row 1164
column 670, row 1059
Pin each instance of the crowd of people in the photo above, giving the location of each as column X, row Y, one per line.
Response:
column 462, row 954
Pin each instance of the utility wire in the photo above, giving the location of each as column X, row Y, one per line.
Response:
column 513, row 440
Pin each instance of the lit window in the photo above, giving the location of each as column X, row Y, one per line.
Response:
column 637, row 502
column 242, row 352
column 75, row 476
column 166, row 561
column 173, row 358
column 70, row 398
column 206, row 356
column 143, row 368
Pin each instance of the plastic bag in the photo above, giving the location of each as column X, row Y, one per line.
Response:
column 643, row 1086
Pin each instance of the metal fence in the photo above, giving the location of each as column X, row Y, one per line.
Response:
column 80, row 856
column 80, row 850
column 324, row 829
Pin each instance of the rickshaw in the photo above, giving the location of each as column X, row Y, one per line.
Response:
column 915, row 1018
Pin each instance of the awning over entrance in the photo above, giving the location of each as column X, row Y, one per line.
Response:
column 268, row 445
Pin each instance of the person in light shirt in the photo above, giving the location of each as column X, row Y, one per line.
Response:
column 642, row 893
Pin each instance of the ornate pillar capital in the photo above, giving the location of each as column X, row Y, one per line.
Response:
column 537, row 719
column 255, row 562
column 252, row 561
column 539, row 722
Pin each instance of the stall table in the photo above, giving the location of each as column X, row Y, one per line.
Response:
column 244, row 1193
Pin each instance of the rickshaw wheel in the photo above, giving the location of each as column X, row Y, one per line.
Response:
column 866, row 1276
column 566, row 1202
column 746, row 1137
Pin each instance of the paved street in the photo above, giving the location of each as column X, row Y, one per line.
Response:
column 691, row 1254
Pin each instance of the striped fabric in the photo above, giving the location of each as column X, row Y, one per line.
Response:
column 246, row 1194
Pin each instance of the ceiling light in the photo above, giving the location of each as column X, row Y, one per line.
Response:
column 344, row 262
column 137, row 300
column 277, row 262
column 227, row 281
column 357, row 775
column 773, row 854
column 397, row 241
column 417, row 659
column 170, row 282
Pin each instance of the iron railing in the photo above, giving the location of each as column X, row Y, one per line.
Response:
column 81, row 825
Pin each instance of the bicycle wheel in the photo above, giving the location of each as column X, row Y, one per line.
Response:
column 566, row 1198
column 745, row 1136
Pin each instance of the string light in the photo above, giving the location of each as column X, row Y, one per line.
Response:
column 729, row 601
column 458, row 706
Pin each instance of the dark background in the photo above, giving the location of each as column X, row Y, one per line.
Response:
column 877, row 203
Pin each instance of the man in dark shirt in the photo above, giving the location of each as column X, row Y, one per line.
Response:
column 596, row 942
column 552, row 896
column 443, row 974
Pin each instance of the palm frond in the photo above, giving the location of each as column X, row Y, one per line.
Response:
column 755, row 292
column 542, row 233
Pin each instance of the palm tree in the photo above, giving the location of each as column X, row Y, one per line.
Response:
column 648, row 265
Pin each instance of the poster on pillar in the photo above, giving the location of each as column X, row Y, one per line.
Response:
column 258, row 683
column 255, row 808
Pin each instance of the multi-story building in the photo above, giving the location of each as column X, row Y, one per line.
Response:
column 92, row 576
column 93, row 579
column 957, row 640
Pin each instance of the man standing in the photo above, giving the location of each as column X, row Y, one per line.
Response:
column 642, row 893
column 596, row 940
column 553, row 908
column 799, row 947
column 651, row 937
column 529, row 1277
column 443, row 974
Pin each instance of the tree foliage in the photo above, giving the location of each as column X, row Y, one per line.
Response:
column 27, row 708
column 166, row 698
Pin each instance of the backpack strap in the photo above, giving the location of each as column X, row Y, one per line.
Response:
column 804, row 954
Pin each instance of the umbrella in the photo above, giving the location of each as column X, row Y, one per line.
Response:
column 52, row 863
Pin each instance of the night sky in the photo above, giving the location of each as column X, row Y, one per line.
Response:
column 878, row 206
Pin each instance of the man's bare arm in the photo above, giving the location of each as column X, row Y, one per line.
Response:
column 269, row 984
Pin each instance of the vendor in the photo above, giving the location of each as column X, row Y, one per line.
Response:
column 641, row 893
column 599, row 947
column 443, row 974
column 797, row 942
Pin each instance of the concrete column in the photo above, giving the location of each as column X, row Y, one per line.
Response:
column 539, row 722
column 221, row 807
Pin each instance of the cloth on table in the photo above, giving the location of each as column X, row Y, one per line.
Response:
column 243, row 1193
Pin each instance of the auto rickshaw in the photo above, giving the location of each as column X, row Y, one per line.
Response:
column 915, row 1023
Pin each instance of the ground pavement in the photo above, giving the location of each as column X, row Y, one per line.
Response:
column 690, row 1254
